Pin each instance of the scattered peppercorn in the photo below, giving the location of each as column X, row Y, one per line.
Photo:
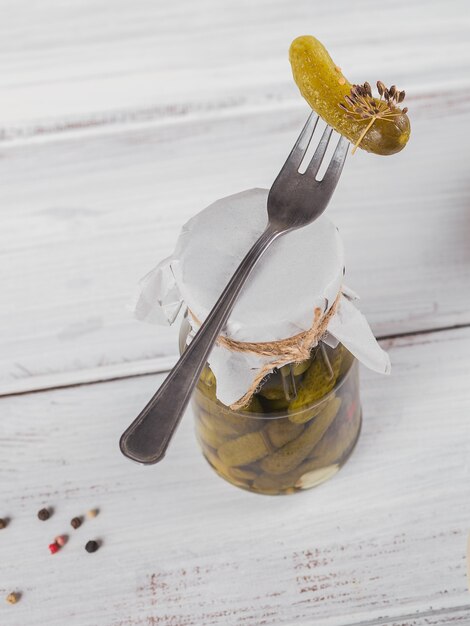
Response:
column 12, row 598
column 91, row 546
column 92, row 513
column 76, row 522
column 54, row 547
column 61, row 540
column 3, row 523
column 44, row 514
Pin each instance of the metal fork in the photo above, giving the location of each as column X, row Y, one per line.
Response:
column 294, row 200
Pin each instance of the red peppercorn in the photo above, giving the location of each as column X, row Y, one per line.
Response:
column 61, row 540
column 53, row 547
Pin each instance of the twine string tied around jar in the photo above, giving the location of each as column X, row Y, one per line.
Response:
column 281, row 352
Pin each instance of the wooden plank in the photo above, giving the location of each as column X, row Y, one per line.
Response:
column 383, row 543
column 83, row 220
column 447, row 617
column 83, row 64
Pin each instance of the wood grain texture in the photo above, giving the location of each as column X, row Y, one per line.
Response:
column 83, row 220
column 382, row 543
column 118, row 123
column 89, row 63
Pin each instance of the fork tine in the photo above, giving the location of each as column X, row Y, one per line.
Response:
column 314, row 165
column 298, row 151
column 335, row 167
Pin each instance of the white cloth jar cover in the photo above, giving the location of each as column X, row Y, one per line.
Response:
column 301, row 271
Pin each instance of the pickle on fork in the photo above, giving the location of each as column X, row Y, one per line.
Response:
column 374, row 124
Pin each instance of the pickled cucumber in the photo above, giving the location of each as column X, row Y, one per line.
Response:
column 267, row 483
column 376, row 125
column 242, row 480
column 272, row 393
column 283, row 481
column 243, row 450
column 318, row 381
column 223, row 427
column 297, row 369
column 254, row 406
column 226, row 421
column 300, row 448
column 207, row 383
column 282, row 431
column 293, row 453
column 242, row 474
column 272, row 389
column 210, row 436
column 274, row 406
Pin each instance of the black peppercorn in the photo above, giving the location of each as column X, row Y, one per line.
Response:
column 91, row 546
column 3, row 523
column 44, row 514
column 76, row 522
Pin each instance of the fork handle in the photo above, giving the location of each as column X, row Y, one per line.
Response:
column 149, row 435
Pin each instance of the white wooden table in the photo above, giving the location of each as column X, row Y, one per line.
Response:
column 121, row 119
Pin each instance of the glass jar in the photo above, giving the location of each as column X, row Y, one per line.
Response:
column 299, row 428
